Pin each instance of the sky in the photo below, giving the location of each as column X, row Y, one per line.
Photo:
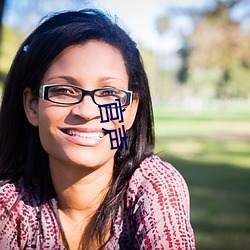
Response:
column 138, row 17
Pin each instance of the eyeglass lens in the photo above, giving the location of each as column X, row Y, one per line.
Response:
column 70, row 94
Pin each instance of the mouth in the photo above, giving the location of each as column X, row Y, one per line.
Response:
column 90, row 135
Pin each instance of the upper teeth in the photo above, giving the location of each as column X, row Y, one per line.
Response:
column 84, row 134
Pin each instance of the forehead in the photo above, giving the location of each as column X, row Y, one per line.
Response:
column 91, row 58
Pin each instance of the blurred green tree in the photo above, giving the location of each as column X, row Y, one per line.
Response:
column 219, row 43
column 2, row 4
column 25, row 12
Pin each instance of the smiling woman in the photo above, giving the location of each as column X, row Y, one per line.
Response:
column 62, row 186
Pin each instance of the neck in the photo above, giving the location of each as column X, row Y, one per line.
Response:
column 80, row 190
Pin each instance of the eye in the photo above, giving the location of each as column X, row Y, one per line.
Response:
column 112, row 93
column 63, row 90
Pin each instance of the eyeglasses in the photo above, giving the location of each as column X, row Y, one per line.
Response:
column 69, row 94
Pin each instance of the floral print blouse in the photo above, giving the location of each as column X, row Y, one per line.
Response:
column 156, row 214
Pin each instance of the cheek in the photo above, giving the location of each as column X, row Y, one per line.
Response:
column 48, row 121
column 45, row 132
column 128, row 119
column 50, row 115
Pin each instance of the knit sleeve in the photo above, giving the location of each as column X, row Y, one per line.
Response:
column 158, row 201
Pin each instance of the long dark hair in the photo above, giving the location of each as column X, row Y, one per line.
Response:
column 22, row 157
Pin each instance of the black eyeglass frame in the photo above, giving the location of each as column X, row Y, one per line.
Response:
column 44, row 94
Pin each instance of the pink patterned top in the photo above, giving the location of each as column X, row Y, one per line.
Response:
column 156, row 214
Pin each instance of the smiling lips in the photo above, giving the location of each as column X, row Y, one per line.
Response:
column 91, row 135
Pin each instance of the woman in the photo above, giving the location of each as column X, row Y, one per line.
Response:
column 62, row 186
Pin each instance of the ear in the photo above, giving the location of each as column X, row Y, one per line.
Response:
column 133, row 110
column 30, row 104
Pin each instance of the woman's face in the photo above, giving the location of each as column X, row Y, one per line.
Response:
column 72, row 134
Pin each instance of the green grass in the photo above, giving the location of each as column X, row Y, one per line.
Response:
column 212, row 152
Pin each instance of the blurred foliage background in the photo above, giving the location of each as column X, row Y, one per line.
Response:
column 201, row 97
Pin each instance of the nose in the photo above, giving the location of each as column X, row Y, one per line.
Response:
column 86, row 109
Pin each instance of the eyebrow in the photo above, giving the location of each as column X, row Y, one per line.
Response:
column 67, row 78
column 111, row 78
column 74, row 81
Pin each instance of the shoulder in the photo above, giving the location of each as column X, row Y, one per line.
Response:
column 153, row 165
column 156, row 183
column 157, row 207
column 153, row 174
column 9, row 193
column 14, row 197
column 21, row 213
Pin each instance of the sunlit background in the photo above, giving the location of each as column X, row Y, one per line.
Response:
column 197, row 57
